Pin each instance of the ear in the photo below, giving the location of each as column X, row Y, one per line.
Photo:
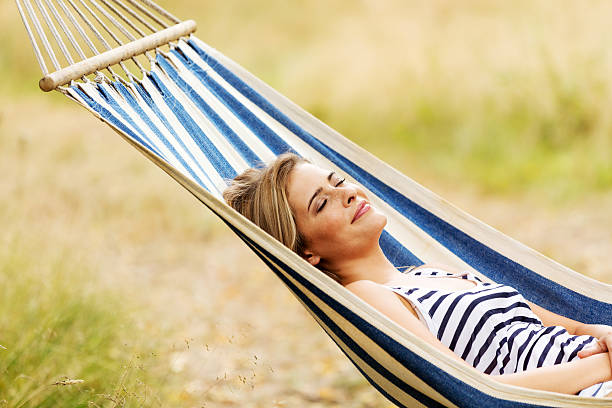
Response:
column 311, row 257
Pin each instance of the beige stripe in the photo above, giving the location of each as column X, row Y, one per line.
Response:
column 418, row 346
column 364, row 311
column 372, row 349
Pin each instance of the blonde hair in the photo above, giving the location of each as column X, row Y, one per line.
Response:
column 260, row 194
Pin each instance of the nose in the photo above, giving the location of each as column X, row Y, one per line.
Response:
column 349, row 194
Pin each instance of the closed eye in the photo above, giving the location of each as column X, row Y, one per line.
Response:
column 321, row 206
column 342, row 180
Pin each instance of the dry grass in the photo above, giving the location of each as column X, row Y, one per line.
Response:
column 477, row 100
column 222, row 327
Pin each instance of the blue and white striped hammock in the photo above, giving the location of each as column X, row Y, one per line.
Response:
column 203, row 119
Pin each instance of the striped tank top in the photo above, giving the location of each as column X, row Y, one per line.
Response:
column 492, row 327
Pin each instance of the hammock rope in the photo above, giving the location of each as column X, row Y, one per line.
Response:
column 203, row 119
column 113, row 21
column 39, row 57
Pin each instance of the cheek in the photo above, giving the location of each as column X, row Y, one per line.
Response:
column 326, row 228
column 330, row 226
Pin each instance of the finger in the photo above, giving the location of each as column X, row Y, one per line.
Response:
column 589, row 351
column 586, row 353
column 608, row 345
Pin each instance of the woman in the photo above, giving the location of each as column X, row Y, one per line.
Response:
column 487, row 326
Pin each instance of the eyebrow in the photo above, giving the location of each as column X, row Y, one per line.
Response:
column 319, row 189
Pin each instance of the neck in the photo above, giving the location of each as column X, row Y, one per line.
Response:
column 371, row 265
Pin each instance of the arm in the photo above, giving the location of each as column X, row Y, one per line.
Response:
column 565, row 378
column 575, row 327
column 549, row 318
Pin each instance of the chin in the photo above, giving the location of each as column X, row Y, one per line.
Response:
column 381, row 219
column 378, row 223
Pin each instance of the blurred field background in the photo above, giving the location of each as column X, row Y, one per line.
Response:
column 112, row 274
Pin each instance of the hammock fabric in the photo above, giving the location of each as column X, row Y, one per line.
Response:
column 203, row 119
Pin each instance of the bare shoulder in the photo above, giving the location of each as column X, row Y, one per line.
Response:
column 366, row 288
column 390, row 304
column 382, row 298
column 373, row 293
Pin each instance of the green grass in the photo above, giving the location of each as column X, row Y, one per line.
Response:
column 57, row 325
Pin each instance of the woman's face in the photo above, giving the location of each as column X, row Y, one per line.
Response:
column 333, row 215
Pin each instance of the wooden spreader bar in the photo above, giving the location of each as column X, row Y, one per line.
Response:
column 106, row 59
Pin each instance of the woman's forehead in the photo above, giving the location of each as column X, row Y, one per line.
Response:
column 312, row 171
column 305, row 179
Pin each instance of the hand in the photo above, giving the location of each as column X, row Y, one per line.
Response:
column 603, row 344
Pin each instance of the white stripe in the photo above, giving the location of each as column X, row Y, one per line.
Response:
column 91, row 91
column 250, row 139
column 201, row 120
column 167, row 136
column 183, row 134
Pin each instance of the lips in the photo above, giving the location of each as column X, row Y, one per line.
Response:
column 362, row 208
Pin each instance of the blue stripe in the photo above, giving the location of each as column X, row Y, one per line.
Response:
column 580, row 347
column 271, row 139
column 199, row 137
column 549, row 345
column 437, row 304
column 450, row 311
column 450, row 387
column 510, row 344
column 115, row 105
column 129, row 98
column 562, row 349
column 110, row 118
column 405, row 292
column 597, row 390
column 153, row 106
column 499, row 268
column 426, row 296
column 395, row 252
column 464, row 318
column 493, row 364
column 241, row 147
column 149, row 101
